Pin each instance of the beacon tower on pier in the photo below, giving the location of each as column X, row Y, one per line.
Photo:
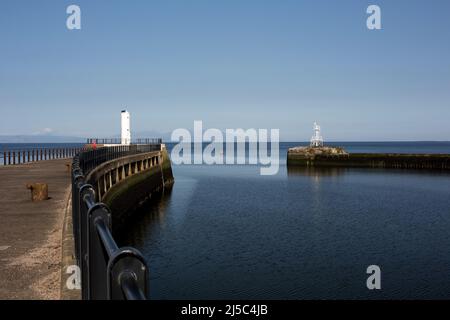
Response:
column 125, row 128
column 316, row 140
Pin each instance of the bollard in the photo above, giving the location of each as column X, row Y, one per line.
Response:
column 39, row 191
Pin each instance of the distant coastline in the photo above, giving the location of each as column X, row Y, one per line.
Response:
column 40, row 139
column 73, row 139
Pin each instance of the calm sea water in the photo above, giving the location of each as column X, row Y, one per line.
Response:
column 226, row 232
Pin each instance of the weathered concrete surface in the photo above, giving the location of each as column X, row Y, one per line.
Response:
column 30, row 232
column 311, row 152
column 337, row 157
column 129, row 194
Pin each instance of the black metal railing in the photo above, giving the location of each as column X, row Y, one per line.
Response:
column 107, row 271
column 18, row 156
column 119, row 141
column 93, row 158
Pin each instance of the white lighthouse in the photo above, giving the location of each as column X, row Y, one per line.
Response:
column 125, row 128
column 316, row 140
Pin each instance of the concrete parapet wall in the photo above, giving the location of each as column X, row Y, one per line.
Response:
column 125, row 183
column 372, row 160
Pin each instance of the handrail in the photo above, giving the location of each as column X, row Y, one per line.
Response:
column 107, row 271
column 18, row 156
column 119, row 141
column 129, row 288
column 105, row 235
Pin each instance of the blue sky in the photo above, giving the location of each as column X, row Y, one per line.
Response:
column 231, row 63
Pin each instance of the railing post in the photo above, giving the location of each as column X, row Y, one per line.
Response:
column 77, row 179
column 99, row 251
column 86, row 196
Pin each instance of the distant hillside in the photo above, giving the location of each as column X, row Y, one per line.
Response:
column 40, row 139
column 50, row 138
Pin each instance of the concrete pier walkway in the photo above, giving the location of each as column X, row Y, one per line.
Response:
column 30, row 232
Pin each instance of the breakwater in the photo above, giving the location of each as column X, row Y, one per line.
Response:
column 125, row 183
column 305, row 158
column 107, row 271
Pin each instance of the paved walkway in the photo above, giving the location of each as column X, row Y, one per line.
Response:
column 30, row 232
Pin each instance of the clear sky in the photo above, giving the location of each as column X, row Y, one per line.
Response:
column 231, row 63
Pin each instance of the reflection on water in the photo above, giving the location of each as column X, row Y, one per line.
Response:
column 150, row 215
column 315, row 172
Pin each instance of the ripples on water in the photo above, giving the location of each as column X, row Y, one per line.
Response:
column 227, row 232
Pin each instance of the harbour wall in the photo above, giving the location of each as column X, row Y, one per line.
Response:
column 371, row 160
column 125, row 183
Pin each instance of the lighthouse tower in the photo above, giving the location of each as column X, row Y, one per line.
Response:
column 125, row 127
column 316, row 140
